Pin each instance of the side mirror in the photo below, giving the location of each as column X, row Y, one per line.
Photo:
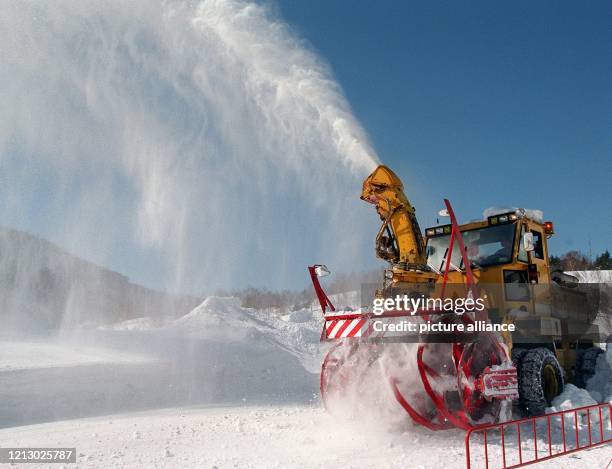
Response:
column 528, row 244
column 322, row 271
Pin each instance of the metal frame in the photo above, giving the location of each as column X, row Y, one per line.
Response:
column 324, row 301
column 548, row 452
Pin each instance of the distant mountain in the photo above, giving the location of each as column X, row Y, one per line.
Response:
column 43, row 287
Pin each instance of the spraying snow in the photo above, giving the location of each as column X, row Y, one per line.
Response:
column 178, row 141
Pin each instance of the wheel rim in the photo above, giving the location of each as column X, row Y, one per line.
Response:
column 550, row 382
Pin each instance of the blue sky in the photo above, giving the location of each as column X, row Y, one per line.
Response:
column 487, row 103
column 196, row 145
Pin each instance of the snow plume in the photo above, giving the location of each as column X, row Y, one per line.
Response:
column 190, row 145
column 361, row 390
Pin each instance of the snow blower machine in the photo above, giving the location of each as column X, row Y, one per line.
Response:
column 474, row 365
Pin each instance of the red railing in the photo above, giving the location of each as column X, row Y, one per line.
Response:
column 563, row 432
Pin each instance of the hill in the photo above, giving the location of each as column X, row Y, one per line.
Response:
column 43, row 287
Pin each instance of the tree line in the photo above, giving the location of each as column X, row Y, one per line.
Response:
column 263, row 298
column 577, row 260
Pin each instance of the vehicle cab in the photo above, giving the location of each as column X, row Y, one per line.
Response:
column 508, row 253
column 505, row 248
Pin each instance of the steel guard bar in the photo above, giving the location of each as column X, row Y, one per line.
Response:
column 596, row 433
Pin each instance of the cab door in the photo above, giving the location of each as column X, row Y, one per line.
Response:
column 536, row 257
column 517, row 294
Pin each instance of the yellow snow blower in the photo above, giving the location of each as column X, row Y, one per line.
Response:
column 503, row 260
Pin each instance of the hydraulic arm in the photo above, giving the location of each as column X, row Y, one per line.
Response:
column 399, row 239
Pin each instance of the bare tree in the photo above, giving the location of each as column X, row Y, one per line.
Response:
column 575, row 260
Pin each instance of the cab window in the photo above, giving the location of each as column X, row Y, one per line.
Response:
column 538, row 251
column 491, row 245
column 516, row 285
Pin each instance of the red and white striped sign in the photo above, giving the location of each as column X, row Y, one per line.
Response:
column 358, row 326
column 342, row 328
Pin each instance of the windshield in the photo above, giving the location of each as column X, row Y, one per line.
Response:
column 485, row 246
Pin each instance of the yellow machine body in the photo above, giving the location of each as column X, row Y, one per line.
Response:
column 413, row 261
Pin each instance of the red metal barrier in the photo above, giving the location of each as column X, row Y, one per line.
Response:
column 505, row 444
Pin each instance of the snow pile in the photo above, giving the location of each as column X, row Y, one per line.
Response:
column 598, row 388
column 295, row 332
column 218, row 353
column 580, row 428
column 592, row 276
column 224, row 319
column 250, row 354
column 571, row 398
column 136, row 324
column 603, row 279
column 219, row 318
column 600, row 385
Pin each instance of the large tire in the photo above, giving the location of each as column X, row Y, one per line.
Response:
column 517, row 355
column 540, row 380
column 585, row 365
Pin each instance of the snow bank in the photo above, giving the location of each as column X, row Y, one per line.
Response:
column 598, row 388
column 570, row 398
column 592, row 276
column 219, row 353
column 224, row 319
column 600, row 385
column 218, row 318
column 136, row 324
column 604, row 280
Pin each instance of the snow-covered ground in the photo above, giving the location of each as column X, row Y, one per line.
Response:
column 282, row 437
column 24, row 355
column 218, row 353
column 223, row 386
